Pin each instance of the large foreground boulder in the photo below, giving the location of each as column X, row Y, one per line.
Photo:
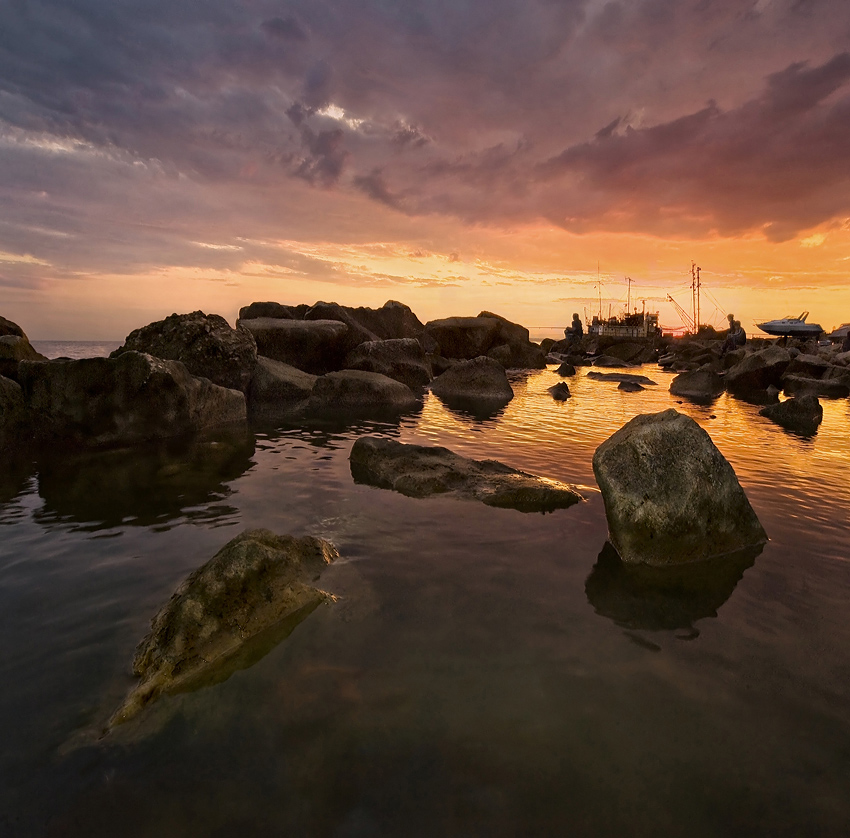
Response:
column 7, row 327
column 205, row 343
column 421, row 471
column 400, row 358
column 477, row 384
column 802, row 414
column 315, row 346
column 123, row 400
column 277, row 389
column 356, row 391
column 670, row 496
column 257, row 583
column 700, row 385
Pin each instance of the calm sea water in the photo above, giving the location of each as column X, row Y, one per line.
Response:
column 479, row 674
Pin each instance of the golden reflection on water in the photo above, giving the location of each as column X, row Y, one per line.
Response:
column 787, row 477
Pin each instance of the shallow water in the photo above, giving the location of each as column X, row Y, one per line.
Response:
column 467, row 681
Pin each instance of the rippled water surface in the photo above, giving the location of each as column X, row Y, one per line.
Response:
column 483, row 671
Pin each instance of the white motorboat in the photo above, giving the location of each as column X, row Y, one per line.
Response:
column 791, row 327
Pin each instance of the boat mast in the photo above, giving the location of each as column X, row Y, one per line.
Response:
column 629, row 295
column 695, row 286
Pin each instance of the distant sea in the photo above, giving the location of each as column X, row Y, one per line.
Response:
column 75, row 348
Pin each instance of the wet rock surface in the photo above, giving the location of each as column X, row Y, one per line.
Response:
column 424, row 471
column 560, row 391
column 566, row 369
column 802, row 414
column 828, row 388
column 670, row 495
column 400, row 358
column 257, row 583
column 123, row 400
column 479, row 383
column 630, row 387
column 205, row 343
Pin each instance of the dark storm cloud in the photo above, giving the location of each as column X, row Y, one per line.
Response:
column 166, row 117
column 780, row 161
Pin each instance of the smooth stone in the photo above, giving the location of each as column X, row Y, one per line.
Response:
column 277, row 388
column 256, row 582
column 421, row 471
column 315, row 346
column 799, row 385
column 610, row 361
column 670, row 495
column 698, row 385
column 360, row 392
column 481, row 380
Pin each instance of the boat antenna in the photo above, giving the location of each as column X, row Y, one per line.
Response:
column 629, row 295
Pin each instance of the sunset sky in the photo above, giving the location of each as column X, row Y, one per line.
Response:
column 168, row 155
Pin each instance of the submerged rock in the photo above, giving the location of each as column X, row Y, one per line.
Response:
column 480, row 382
column 802, row 414
column 670, row 496
column 255, row 583
column 123, row 400
column 621, row 377
column 560, row 391
column 205, row 343
column 630, row 387
column 421, row 471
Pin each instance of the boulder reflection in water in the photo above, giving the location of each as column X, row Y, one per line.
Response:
column 638, row 596
column 147, row 485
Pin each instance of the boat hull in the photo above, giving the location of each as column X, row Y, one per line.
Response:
column 791, row 330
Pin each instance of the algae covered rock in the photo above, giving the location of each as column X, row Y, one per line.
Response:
column 421, row 471
column 253, row 585
column 670, row 496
